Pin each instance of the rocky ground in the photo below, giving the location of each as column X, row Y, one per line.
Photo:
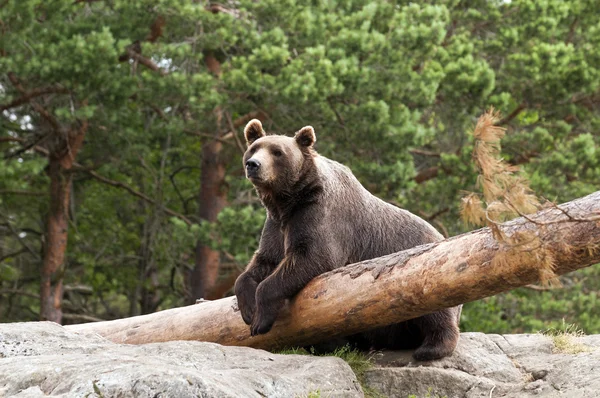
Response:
column 41, row 358
column 515, row 366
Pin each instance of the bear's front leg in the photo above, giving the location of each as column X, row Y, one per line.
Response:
column 261, row 265
column 294, row 272
column 267, row 257
column 245, row 291
column 269, row 301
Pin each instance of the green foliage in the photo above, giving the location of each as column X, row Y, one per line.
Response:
column 294, row 351
column 391, row 89
column 356, row 359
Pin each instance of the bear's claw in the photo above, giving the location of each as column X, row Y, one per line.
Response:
column 431, row 352
column 261, row 325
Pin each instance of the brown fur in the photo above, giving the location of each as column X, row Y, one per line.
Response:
column 320, row 217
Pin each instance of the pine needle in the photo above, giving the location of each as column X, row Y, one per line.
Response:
column 507, row 195
column 472, row 211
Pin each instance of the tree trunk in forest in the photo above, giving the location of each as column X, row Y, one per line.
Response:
column 147, row 293
column 56, row 244
column 66, row 143
column 150, row 297
column 388, row 289
column 59, row 165
column 212, row 199
column 2, row 237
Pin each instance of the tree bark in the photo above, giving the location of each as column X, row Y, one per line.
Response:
column 66, row 144
column 427, row 174
column 147, row 290
column 212, row 199
column 385, row 290
column 59, row 165
column 56, row 244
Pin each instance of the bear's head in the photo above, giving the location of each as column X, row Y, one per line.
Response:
column 276, row 163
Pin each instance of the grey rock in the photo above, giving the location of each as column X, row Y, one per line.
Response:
column 425, row 381
column 475, row 355
column 511, row 366
column 42, row 358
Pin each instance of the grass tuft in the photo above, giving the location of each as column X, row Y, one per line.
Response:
column 358, row 361
column 565, row 339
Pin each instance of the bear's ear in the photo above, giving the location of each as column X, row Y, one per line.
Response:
column 253, row 131
column 306, row 137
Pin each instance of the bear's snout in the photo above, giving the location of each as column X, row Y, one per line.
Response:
column 252, row 166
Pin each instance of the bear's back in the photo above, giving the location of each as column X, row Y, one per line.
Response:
column 366, row 226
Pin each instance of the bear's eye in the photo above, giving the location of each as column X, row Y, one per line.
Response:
column 277, row 152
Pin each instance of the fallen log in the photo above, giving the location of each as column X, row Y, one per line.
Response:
column 388, row 289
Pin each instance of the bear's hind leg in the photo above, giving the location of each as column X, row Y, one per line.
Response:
column 441, row 333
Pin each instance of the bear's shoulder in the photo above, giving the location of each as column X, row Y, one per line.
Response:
column 338, row 182
column 331, row 170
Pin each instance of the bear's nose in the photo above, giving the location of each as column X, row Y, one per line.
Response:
column 252, row 165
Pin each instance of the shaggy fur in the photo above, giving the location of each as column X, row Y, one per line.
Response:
column 320, row 217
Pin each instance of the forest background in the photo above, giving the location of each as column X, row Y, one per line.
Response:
column 122, row 190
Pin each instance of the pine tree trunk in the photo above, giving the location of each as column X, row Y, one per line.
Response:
column 147, row 291
column 385, row 290
column 56, row 243
column 53, row 266
column 212, row 199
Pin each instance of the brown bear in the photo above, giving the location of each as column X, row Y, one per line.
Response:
column 319, row 217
